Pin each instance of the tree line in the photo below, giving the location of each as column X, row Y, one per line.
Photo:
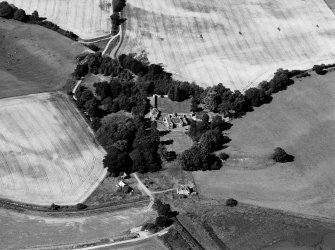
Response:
column 10, row 11
column 208, row 138
column 118, row 6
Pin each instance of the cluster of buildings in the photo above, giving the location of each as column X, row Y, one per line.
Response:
column 173, row 115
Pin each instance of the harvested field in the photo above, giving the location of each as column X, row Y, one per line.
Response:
column 26, row 232
column 47, row 154
column 236, row 42
column 302, row 121
column 34, row 59
column 88, row 18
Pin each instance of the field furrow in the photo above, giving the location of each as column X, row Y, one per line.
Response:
column 48, row 155
column 83, row 17
column 244, row 42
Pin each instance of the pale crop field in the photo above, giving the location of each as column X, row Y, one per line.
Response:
column 83, row 17
column 301, row 120
column 235, row 42
column 47, row 154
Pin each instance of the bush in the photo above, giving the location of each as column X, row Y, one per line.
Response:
column 280, row 155
column 6, row 10
column 118, row 5
column 163, row 221
column 231, row 202
column 54, row 207
column 81, row 206
column 151, row 227
column 223, row 156
column 20, row 15
column 92, row 47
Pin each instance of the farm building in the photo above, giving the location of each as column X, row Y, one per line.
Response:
column 184, row 190
column 174, row 120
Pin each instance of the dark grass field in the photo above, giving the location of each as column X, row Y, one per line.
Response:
column 301, row 120
column 34, row 59
column 244, row 227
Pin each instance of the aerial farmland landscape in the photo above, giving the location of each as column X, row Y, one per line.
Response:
column 167, row 124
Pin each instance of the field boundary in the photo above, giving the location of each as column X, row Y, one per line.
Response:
column 90, row 210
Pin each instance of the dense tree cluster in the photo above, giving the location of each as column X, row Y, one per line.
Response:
column 95, row 63
column 321, row 69
column 116, row 20
column 154, row 80
column 279, row 155
column 118, row 6
column 164, row 218
column 195, row 159
column 87, row 102
column 131, row 145
column 198, row 128
column 10, row 11
column 7, row 10
column 208, row 138
column 221, row 99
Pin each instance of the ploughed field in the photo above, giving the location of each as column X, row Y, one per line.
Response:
column 34, row 59
column 86, row 18
column 301, row 120
column 47, row 154
column 236, row 42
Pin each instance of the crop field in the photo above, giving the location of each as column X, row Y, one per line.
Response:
column 86, row 18
column 235, row 42
column 34, row 59
column 28, row 231
column 301, row 120
column 47, row 153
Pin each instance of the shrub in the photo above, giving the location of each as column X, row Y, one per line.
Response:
column 92, row 47
column 20, row 15
column 54, row 207
column 319, row 69
column 223, row 156
column 231, row 202
column 151, row 227
column 280, row 155
column 163, row 221
column 6, row 10
column 118, row 5
column 81, row 206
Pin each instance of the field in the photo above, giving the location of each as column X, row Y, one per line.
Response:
column 236, row 42
column 47, row 154
column 88, row 18
column 26, row 232
column 302, row 121
column 34, row 59
column 218, row 227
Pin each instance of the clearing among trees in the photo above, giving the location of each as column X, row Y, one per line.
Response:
column 88, row 18
column 236, row 42
column 301, row 120
column 47, row 153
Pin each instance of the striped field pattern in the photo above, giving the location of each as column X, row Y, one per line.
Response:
column 47, row 154
column 83, row 17
column 236, row 42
